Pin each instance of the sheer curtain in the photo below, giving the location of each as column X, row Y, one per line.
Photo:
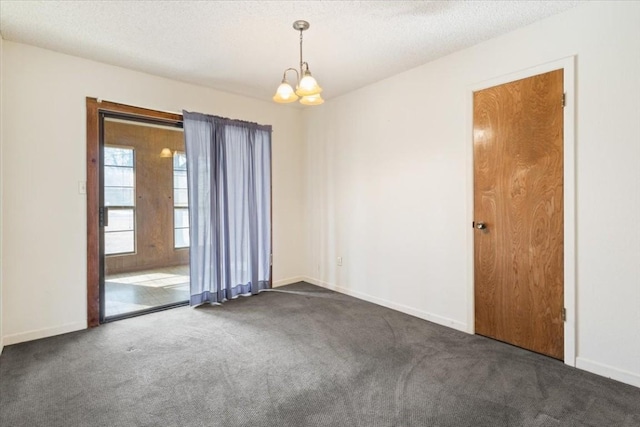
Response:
column 229, row 180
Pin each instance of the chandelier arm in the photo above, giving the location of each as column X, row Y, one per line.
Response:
column 284, row 75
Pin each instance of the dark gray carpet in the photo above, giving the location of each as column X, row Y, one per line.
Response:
column 296, row 356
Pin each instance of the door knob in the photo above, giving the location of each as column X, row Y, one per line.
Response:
column 481, row 226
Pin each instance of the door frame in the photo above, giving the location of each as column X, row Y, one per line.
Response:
column 96, row 107
column 569, row 193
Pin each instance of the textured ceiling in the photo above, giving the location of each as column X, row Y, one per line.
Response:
column 244, row 46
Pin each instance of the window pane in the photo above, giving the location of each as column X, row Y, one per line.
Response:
column 180, row 161
column 118, row 242
column 118, row 156
column 120, row 220
column 181, row 217
column 179, row 179
column 180, row 197
column 181, row 237
column 119, row 182
column 115, row 176
column 118, row 196
column 180, row 201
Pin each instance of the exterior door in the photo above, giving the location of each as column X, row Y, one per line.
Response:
column 518, row 212
column 144, row 229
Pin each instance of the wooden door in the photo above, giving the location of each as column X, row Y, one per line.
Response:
column 518, row 211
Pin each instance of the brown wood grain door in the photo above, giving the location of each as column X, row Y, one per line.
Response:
column 518, row 213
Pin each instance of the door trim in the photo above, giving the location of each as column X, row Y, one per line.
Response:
column 95, row 108
column 569, row 190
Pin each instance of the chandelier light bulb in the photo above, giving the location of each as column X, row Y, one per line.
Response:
column 285, row 93
column 312, row 100
column 308, row 86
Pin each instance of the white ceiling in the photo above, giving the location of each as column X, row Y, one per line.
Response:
column 244, row 46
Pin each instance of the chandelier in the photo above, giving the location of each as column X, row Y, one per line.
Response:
column 307, row 88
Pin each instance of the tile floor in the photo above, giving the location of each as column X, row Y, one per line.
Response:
column 139, row 290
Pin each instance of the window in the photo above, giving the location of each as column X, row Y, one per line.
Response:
column 119, row 199
column 180, row 202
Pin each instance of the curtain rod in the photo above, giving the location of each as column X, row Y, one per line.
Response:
column 227, row 119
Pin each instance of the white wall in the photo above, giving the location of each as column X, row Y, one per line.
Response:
column 43, row 142
column 387, row 182
column 1, row 203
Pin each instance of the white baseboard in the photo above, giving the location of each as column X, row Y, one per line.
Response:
column 290, row 280
column 603, row 370
column 43, row 333
column 435, row 318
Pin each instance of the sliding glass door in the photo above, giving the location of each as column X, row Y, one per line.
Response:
column 144, row 225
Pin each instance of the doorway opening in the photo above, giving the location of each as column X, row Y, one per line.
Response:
column 519, row 251
column 137, row 212
column 144, row 217
column 525, row 303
